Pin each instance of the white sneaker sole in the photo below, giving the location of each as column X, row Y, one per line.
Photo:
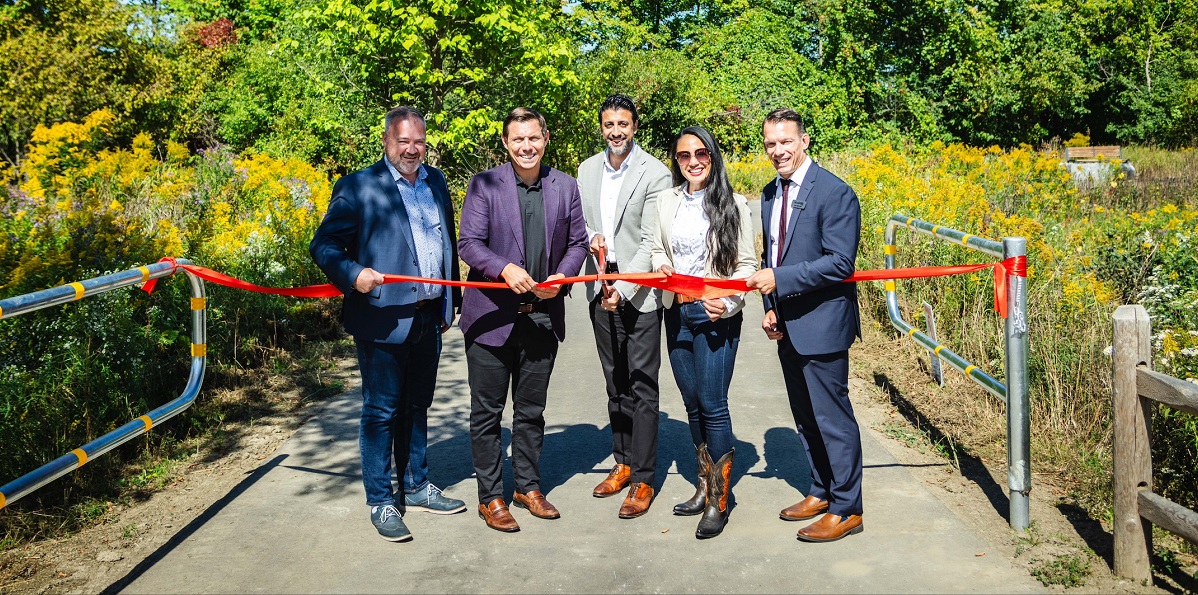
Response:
column 461, row 508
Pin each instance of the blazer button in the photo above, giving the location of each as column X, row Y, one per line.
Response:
column 521, row 263
column 413, row 290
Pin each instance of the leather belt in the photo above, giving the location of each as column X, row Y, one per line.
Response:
column 422, row 303
column 684, row 299
column 531, row 307
column 612, row 268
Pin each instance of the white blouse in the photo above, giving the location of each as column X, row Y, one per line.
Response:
column 689, row 239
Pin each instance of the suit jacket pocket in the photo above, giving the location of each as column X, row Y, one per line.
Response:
column 561, row 233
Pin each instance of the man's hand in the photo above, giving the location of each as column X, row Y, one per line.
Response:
column 769, row 324
column 666, row 270
column 598, row 242
column 715, row 308
column 517, row 278
column 611, row 298
column 546, row 293
column 367, row 280
column 762, row 281
column 446, row 327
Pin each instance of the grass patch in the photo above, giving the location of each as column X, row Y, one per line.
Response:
column 1066, row 570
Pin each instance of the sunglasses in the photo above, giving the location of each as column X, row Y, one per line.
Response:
column 701, row 155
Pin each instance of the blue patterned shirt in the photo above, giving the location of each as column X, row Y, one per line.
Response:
column 425, row 218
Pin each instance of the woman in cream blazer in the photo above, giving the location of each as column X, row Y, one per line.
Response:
column 704, row 230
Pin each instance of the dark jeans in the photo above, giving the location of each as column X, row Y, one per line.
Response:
column 818, row 386
column 523, row 363
column 703, row 355
column 398, row 381
column 629, row 343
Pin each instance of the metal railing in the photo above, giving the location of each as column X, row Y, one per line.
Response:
column 23, row 304
column 1015, row 393
column 1134, row 389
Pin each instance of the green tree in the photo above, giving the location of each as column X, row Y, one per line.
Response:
column 465, row 64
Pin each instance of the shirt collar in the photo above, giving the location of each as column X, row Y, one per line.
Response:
column 627, row 159
column 395, row 175
column 535, row 185
column 799, row 174
column 687, row 196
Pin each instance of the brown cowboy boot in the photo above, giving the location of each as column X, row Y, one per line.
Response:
column 699, row 501
column 719, row 490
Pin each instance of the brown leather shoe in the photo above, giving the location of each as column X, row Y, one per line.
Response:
column 497, row 516
column 831, row 527
column 809, row 508
column 637, row 502
column 536, row 503
column 616, row 480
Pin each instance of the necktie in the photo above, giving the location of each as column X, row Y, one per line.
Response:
column 785, row 183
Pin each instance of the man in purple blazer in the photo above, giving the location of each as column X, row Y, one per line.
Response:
column 522, row 223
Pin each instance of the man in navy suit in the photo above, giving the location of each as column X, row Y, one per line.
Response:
column 394, row 217
column 521, row 222
column 811, row 221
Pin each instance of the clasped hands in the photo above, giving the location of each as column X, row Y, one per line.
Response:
column 715, row 308
column 520, row 281
column 764, row 282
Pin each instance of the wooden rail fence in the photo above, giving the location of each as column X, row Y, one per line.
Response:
column 1135, row 389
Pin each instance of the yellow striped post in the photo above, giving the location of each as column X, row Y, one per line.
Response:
column 199, row 303
column 911, row 333
column 890, row 249
column 934, row 228
column 199, row 350
column 78, row 287
column 937, row 349
column 145, row 274
column 1, row 312
column 3, row 500
column 81, row 455
column 965, row 239
column 149, row 423
column 969, row 369
column 889, row 285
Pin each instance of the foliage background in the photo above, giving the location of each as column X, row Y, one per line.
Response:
column 213, row 129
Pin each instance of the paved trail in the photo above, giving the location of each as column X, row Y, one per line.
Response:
column 299, row 523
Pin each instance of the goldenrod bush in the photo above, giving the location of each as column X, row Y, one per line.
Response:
column 79, row 207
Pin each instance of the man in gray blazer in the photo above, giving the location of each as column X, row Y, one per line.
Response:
column 619, row 188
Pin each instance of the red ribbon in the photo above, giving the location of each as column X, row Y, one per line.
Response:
column 696, row 287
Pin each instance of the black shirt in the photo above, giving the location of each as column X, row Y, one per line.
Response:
column 532, row 214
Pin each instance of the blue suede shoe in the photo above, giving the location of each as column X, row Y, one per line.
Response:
column 387, row 520
column 430, row 499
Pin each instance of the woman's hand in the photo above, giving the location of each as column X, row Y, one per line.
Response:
column 715, row 308
column 666, row 270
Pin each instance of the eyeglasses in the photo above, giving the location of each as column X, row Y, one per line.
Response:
column 701, row 155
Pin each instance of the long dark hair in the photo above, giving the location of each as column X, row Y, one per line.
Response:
column 723, row 235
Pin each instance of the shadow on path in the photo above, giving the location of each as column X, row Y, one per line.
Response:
column 193, row 526
column 971, row 467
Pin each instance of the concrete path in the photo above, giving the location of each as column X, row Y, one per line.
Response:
column 299, row 523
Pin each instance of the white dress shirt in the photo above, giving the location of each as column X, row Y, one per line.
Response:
column 796, row 179
column 609, row 196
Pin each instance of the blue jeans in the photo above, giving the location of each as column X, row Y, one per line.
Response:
column 398, row 381
column 703, row 355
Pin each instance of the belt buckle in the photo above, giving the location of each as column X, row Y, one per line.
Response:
column 684, row 299
column 525, row 308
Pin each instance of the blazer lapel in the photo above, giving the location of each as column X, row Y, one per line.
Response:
column 767, row 209
column 636, row 171
column 668, row 209
column 549, row 193
column 393, row 196
column 509, row 204
column 802, row 198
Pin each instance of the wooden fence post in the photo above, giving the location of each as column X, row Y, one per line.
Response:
column 1132, row 452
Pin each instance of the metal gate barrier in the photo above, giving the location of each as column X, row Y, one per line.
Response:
column 1015, row 392
column 23, row 304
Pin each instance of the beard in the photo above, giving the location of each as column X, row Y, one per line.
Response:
column 405, row 165
column 622, row 149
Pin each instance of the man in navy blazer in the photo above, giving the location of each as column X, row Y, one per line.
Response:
column 521, row 223
column 811, row 222
column 394, row 217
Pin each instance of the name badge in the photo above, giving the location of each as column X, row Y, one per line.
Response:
column 798, row 205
